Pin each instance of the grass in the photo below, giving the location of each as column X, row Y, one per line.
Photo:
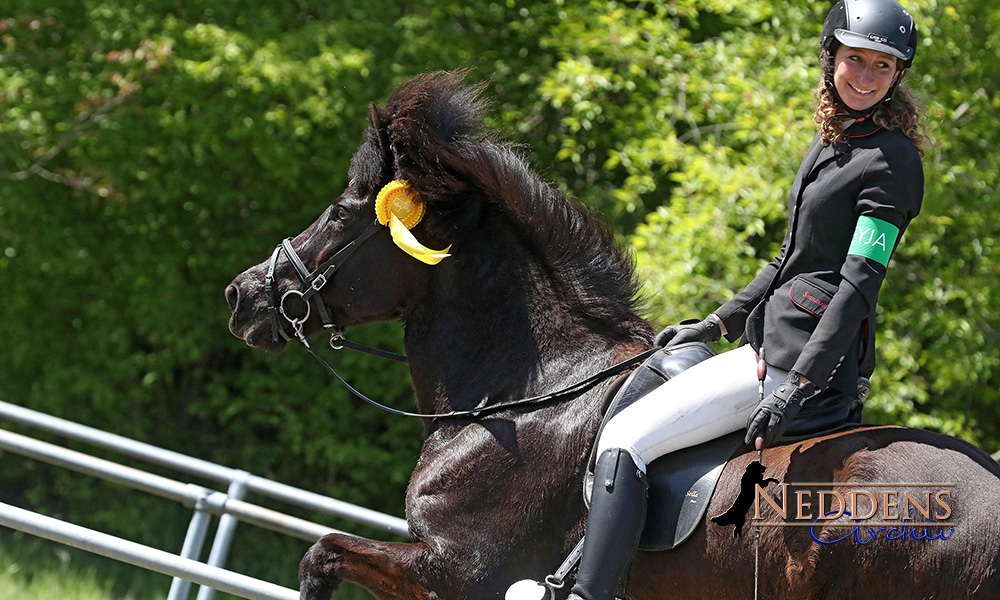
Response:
column 33, row 569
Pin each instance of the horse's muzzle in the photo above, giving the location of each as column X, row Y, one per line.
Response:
column 247, row 322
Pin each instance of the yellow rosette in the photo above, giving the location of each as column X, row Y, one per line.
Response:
column 399, row 206
column 398, row 198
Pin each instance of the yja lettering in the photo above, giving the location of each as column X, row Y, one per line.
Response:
column 866, row 236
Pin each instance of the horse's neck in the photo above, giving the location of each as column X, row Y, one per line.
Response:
column 492, row 330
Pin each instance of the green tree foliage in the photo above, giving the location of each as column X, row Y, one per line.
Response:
column 151, row 151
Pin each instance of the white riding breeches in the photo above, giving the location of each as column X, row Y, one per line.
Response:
column 708, row 400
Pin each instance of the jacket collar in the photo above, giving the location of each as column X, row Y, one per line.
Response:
column 862, row 128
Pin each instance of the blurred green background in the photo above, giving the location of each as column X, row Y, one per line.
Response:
column 152, row 150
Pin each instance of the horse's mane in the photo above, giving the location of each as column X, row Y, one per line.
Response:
column 433, row 134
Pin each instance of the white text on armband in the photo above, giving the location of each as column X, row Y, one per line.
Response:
column 874, row 239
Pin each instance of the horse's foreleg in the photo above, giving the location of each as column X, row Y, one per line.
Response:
column 388, row 570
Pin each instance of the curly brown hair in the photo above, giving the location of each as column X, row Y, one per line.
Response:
column 901, row 112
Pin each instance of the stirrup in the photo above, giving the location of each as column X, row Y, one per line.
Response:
column 529, row 589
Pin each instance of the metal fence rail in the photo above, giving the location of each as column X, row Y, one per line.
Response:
column 190, row 495
column 229, row 506
column 202, row 468
column 142, row 556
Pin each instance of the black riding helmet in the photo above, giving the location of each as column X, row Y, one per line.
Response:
column 882, row 25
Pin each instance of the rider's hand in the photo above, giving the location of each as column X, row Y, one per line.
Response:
column 689, row 330
column 774, row 412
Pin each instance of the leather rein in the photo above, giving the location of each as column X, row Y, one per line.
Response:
column 315, row 280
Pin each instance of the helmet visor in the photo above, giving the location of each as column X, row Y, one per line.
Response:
column 872, row 41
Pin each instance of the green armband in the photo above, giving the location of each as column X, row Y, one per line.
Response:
column 874, row 239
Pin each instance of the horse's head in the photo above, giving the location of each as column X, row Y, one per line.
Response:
column 519, row 246
column 359, row 273
column 374, row 282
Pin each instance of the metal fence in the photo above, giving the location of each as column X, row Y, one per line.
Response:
column 229, row 507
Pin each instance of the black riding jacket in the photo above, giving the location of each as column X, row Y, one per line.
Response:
column 812, row 308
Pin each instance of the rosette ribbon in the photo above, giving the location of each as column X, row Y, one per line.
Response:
column 400, row 208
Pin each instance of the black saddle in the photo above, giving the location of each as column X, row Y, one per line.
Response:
column 681, row 483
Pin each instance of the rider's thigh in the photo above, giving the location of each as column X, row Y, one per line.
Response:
column 707, row 401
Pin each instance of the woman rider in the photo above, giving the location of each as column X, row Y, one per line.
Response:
column 812, row 309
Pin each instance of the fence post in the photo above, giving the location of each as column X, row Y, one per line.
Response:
column 194, row 540
column 224, row 534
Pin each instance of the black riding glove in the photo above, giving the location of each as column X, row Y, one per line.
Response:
column 689, row 330
column 777, row 410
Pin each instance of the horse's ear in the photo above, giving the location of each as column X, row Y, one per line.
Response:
column 378, row 126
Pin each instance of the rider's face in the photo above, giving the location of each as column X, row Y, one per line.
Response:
column 862, row 77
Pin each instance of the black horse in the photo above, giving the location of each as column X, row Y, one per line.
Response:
column 535, row 295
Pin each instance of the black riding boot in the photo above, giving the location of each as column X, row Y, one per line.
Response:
column 617, row 514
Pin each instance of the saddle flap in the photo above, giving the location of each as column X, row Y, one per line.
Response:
column 680, row 487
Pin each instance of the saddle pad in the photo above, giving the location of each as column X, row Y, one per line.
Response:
column 680, row 487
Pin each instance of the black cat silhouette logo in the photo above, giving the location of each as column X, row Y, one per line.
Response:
column 737, row 513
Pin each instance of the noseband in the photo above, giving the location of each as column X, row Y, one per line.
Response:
column 312, row 283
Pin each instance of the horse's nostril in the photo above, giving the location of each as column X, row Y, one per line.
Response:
column 232, row 296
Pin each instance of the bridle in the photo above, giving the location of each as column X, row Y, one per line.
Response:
column 312, row 283
column 308, row 294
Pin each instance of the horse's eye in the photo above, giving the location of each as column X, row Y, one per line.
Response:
column 341, row 214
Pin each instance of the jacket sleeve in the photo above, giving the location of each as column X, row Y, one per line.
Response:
column 892, row 188
column 735, row 312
